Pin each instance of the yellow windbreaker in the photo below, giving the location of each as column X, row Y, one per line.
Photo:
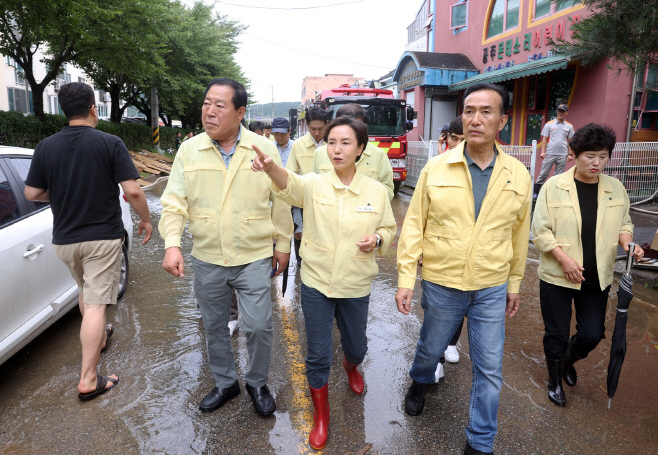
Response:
column 300, row 160
column 336, row 218
column 557, row 222
column 230, row 214
column 459, row 252
column 374, row 163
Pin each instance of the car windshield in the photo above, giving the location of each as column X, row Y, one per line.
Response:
column 384, row 120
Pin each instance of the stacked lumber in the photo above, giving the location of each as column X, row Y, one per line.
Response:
column 152, row 163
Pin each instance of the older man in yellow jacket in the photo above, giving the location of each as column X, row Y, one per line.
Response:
column 469, row 217
column 374, row 163
column 233, row 216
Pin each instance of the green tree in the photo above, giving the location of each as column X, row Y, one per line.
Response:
column 625, row 31
column 143, row 43
column 200, row 45
column 63, row 30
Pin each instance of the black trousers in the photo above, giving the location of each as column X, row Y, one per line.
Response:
column 590, row 304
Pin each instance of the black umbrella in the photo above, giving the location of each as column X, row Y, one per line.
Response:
column 284, row 285
column 618, row 348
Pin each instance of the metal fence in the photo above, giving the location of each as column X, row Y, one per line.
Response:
column 635, row 164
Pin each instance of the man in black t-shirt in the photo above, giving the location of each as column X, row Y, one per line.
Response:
column 78, row 171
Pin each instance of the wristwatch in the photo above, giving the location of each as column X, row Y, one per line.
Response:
column 379, row 240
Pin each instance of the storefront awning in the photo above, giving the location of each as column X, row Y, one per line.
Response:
column 432, row 69
column 514, row 72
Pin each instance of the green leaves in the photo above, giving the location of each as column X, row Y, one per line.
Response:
column 626, row 31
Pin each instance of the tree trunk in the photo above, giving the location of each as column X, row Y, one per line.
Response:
column 37, row 101
column 115, row 111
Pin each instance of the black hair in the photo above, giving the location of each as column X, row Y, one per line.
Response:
column 255, row 125
column 240, row 96
column 360, row 130
column 593, row 138
column 456, row 126
column 76, row 99
column 353, row 110
column 243, row 122
column 267, row 126
column 504, row 103
column 316, row 113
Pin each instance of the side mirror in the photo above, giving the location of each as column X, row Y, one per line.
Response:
column 410, row 113
column 410, row 126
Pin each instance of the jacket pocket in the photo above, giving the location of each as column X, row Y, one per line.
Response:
column 204, row 228
column 551, row 266
column 443, row 250
column 255, row 228
column 361, row 269
column 494, row 256
column 317, row 259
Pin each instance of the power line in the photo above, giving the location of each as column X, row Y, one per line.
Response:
column 292, row 8
column 315, row 55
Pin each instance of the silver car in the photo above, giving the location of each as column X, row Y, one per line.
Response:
column 36, row 288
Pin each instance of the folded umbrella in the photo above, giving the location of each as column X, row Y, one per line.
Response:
column 618, row 347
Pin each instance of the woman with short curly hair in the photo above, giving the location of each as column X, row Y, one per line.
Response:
column 580, row 218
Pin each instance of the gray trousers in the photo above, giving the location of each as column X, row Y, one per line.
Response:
column 213, row 286
column 560, row 162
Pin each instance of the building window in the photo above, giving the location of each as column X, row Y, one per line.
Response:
column 418, row 27
column 82, row 79
column 20, row 100
column 646, row 99
column 18, row 75
column 547, row 7
column 458, row 15
column 504, row 17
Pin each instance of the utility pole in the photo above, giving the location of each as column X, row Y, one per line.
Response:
column 155, row 117
column 272, row 103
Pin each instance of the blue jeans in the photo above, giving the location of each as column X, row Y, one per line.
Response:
column 351, row 318
column 444, row 310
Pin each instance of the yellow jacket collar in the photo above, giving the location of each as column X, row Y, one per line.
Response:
column 205, row 143
column 355, row 186
column 567, row 181
column 456, row 155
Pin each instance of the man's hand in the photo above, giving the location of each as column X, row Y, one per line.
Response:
column 173, row 261
column 638, row 253
column 513, row 301
column 262, row 162
column 280, row 261
column 569, row 157
column 403, row 300
column 542, row 155
column 368, row 244
column 145, row 226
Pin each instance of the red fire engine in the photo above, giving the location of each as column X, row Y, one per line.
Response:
column 389, row 119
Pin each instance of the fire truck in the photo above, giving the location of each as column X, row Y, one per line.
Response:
column 388, row 120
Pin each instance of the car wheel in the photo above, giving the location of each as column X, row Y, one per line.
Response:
column 125, row 271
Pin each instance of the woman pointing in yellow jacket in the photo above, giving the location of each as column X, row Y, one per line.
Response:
column 580, row 218
column 347, row 219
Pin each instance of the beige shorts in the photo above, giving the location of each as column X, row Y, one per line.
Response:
column 96, row 267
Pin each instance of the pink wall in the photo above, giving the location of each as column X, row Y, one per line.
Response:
column 312, row 84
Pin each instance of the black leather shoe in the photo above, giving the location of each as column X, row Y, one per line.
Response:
column 468, row 450
column 218, row 397
column 555, row 392
column 414, row 400
column 263, row 401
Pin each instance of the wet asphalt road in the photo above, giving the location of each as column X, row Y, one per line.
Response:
column 158, row 350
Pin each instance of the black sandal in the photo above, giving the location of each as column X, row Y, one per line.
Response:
column 109, row 330
column 101, row 382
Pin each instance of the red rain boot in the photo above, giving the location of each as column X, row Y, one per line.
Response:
column 318, row 435
column 353, row 377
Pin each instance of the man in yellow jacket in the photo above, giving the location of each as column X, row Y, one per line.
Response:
column 233, row 216
column 374, row 162
column 301, row 161
column 469, row 217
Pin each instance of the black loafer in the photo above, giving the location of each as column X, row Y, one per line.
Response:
column 263, row 401
column 218, row 397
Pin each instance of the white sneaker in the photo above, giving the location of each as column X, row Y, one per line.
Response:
column 438, row 374
column 233, row 326
column 451, row 354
